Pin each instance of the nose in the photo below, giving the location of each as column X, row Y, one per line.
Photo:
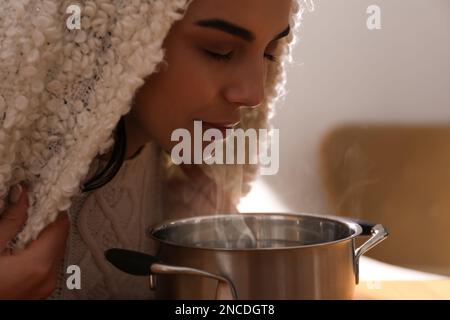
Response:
column 247, row 87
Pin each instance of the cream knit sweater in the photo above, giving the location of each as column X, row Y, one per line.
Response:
column 116, row 215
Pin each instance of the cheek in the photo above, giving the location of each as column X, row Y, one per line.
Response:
column 166, row 103
column 191, row 79
column 181, row 92
column 191, row 87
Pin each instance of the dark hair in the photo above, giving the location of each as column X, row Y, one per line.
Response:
column 114, row 164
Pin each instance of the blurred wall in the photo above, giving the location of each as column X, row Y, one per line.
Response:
column 344, row 73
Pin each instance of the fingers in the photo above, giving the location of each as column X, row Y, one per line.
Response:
column 15, row 216
column 32, row 272
column 51, row 243
column 38, row 265
column 24, row 279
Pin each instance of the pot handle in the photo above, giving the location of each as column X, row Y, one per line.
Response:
column 378, row 233
column 141, row 264
column 366, row 226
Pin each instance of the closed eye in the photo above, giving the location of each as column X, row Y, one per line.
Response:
column 219, row 56
column 228, row 56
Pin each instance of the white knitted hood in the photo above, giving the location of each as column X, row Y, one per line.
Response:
column 62, row 92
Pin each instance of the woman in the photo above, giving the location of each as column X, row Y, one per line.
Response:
column 88, row 118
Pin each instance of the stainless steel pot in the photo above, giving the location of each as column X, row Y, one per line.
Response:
column 253, row 256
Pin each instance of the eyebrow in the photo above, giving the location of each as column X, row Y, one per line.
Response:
column 236, row 30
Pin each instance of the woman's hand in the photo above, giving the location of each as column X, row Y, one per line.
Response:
column 33, row 272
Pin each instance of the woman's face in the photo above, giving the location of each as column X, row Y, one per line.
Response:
column 217, row 61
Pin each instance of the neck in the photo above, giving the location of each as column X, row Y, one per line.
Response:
column 135, row 138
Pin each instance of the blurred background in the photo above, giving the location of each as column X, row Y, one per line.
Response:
column 365, row 126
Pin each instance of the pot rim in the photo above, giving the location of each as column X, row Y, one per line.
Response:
column 354, row 228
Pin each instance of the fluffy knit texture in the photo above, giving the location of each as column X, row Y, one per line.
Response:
column 62, row 92
column 116, row 215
